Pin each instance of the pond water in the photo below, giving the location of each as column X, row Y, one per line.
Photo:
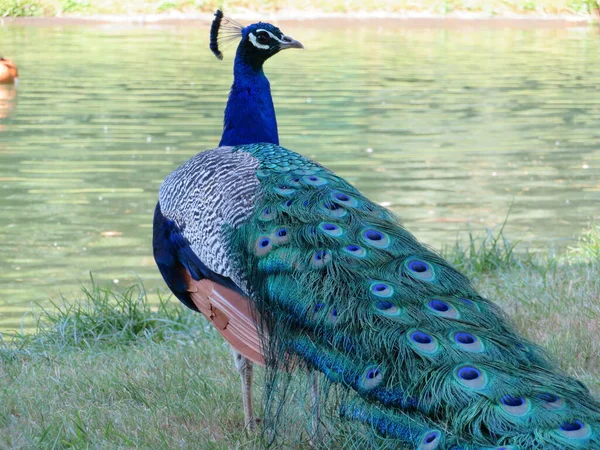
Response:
column 448, row 126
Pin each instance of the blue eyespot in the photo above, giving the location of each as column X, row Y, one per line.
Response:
column 419, row 269
column 572, row 426
column 439, row 306
column 431, row 440
column 471, row 377
column 421, row 338
column 318, row 307
column 333, row 316
column 376, row 238
column 344, row 199
column 267, row 214
column 515, row 405
column 551, row 401
column 355, row 250
column 509, row 400
column 574, row 429
column 550, row 398
column 468, row 342
column 293, row 181
column 387, row 308
column 373, row 235
column 464, row 338
column 320, row 258
column 469, row 373
column 423, row 342
column 284, row 190
column 443, row 309
column 330, row 229
column 262, row 246
column 280, row 235
column 384, row 305
column 371, row 378
column 314, row 180
column 382, row 290
column 333, row 209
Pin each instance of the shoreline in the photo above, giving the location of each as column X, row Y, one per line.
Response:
column 381, row 17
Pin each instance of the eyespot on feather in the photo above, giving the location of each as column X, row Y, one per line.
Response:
column 419, row 269
column 320, row 258
column 387, row 308
column 468, row 342
column 331, row 229
column 471, row 377
column 318, row 307
column 344, row 199
column 333, row 316
column 355, row 250
column 551, row 401
column 430, row 440
column 286, row 204
column 262, row 246
column 280, row 235
column 284, row 190
column 314, row 180
column 333, row 209
column 375, row 238
column 267, row 214
column 574, row 429
column 381, row 289
column 293, row 181
column 423, row 342
column 371, row 378
column 515, row 405
column 469, row 303
column 442, row 308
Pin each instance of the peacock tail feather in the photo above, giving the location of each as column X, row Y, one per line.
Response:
column 341, row 287
column 403, row 341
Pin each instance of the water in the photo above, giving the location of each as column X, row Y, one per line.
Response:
column 446, row 126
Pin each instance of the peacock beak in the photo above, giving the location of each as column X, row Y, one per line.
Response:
column 288, row 42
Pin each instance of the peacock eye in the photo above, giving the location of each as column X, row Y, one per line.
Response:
column 262, row 37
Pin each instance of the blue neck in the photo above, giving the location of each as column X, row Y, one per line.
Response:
column 249, row 114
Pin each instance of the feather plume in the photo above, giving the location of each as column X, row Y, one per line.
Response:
column 223, row 31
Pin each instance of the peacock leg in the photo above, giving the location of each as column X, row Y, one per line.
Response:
column 244, row 367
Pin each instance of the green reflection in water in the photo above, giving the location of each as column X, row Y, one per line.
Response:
column 444, row 126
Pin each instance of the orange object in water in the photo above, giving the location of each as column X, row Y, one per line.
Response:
column 9, row 73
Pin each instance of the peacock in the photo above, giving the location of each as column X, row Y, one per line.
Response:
column 299, row 271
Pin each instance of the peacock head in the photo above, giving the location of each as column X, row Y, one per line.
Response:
column 259, row 41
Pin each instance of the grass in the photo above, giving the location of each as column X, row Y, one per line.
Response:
column 491, row 7
column 110, row 370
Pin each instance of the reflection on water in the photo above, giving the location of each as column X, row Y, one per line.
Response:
column 8, row 95
column 447, row 127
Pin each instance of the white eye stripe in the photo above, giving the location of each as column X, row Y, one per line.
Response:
column 272, row 35
column 252, row 38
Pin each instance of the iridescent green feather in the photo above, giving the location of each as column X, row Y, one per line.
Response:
column 344, row 289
